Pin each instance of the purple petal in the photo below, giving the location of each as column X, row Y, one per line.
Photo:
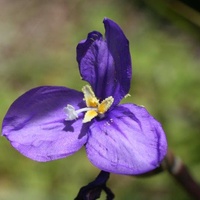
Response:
column 106, row 64
column 35, row 124
column 128, row 141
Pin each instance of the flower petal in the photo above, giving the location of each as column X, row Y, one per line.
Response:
column 106, row 64
column 35, row 124
column 128, row 141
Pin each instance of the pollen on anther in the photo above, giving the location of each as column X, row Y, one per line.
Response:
column 105, row 105
column 89, row 115
column 89, row 97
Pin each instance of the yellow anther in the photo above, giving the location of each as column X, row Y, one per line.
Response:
column 89, row 115
column 93, row 109
column 105, row 105
column 89, row 97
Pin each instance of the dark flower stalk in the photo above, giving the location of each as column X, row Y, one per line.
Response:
column 93, row 190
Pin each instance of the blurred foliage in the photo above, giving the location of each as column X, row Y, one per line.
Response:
column 37, row 47
column 184, row 14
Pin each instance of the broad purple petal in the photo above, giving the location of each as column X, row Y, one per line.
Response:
column 128, row 141
column 35, row 124
column 106, row 64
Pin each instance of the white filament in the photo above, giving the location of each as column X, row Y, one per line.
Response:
column 73, row 114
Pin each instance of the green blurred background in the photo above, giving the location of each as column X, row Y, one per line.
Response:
column 37, row 47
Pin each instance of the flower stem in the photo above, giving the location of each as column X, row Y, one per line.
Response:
column 93, row 190
column 171, row 163
column 178, row 170
column 181, row 174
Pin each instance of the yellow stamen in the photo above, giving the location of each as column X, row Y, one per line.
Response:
column 105, row 105
column 89, row 115
column 93, row 109
column 89, row 97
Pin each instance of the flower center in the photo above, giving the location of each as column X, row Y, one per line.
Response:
column 93, row 109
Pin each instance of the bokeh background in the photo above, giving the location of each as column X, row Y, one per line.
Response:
column 37, row 47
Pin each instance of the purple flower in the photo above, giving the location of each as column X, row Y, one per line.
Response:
column 53, row 122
